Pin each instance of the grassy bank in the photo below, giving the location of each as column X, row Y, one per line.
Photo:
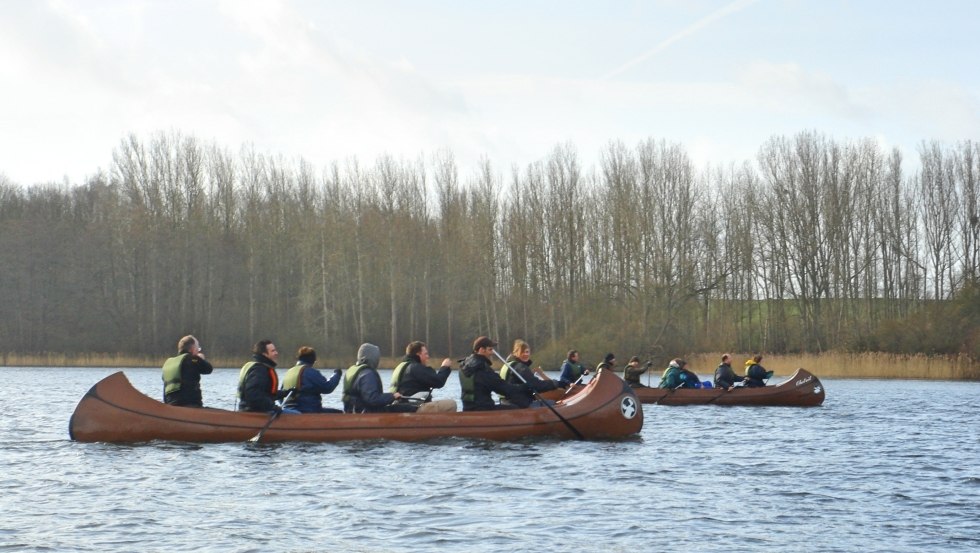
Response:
column 826, row 365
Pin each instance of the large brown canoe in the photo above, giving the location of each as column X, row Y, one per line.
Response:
column 114, row 411
column 803, row 389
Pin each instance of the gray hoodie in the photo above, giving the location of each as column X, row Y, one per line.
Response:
column 365, row 393
column 369, row 354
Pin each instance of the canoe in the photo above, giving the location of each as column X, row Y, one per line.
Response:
column 114, row 411
column 803, row 389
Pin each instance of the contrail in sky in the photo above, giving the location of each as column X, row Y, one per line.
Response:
column 735, row 6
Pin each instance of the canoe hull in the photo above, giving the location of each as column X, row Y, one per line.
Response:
column 803, row 389
column 114, row 411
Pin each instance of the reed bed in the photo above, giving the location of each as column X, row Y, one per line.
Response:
column 826, row 365
column 853, row 365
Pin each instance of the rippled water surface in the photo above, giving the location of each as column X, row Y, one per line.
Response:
column 882, row 465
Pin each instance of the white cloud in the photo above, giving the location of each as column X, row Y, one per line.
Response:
column 288, row 81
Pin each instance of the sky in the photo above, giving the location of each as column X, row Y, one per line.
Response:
column 502, row 80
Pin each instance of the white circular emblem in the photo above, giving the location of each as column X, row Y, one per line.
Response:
column 628, row 407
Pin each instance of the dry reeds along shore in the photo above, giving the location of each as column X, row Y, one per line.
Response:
column 825, row 365
column 852, row 365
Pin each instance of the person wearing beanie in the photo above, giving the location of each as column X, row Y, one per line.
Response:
column 182, row 374
column 309, row 384
column 608, row 362
column 633, row 371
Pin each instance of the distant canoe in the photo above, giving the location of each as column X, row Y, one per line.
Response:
column 114, row 411
column 803, row 389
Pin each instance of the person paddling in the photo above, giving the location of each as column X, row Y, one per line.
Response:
column 677, row 376
column 572, row 370
column 478, row 381
column 725, row 376
column 633, row 371
column 182, row 374
column 520, row 361
column 755, row 374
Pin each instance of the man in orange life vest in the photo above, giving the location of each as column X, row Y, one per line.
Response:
column 258, row 384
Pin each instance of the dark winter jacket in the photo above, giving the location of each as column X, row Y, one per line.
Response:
column 478, row 380
column 183, row 385
column 416, row 377
column 258, row 385
column 725, row 376
column 533, row 382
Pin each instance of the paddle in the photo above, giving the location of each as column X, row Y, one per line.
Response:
column 669, row 391
column 273, row 417
column 574, row 384
column 578, row 435
column 417, row 398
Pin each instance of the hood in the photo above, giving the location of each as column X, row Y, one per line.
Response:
column 369, row 354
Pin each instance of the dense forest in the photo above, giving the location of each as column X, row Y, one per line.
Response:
column 816, row 245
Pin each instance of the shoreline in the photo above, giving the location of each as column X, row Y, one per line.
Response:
column 870, row 365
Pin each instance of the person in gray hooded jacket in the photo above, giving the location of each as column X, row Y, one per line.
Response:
column 363, row 392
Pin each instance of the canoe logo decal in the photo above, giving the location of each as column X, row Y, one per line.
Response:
column 803, row 381
column 817, row 389
column 628, row 407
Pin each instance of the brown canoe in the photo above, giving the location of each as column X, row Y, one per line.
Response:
column 114, row 411
column 803, row 389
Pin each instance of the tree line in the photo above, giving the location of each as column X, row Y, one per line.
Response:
column 818, row 244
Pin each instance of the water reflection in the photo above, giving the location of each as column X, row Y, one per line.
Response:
column 883, row 463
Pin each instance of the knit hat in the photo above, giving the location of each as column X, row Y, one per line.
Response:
column 610, row 358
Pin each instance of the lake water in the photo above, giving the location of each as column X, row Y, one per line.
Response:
column 881, row 466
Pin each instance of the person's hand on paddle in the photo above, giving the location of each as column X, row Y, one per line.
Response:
column 447, row 362
column 397, row 396
column 338, row 371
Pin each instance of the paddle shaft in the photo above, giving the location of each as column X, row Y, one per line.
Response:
column 669, row 391
column 273, row 417
column 574, row 384
column 574, row 430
